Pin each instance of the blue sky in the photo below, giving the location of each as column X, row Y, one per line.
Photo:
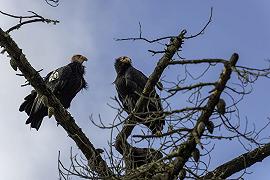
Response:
column 89, row 28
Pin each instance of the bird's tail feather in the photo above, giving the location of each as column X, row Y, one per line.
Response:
column 35, row 120
column 34, row 108
column 28, row 103
column 37, row 113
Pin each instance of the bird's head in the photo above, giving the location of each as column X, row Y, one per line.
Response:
column 78, row 58
column 122, row 63
column 124, row 60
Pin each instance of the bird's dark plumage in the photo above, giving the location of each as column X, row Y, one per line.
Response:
column 65, row 82
column 129, row 84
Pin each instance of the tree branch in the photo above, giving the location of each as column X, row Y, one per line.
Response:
column 121, row 139
column 198, row 61
column 62, row 116
column 53, row 3
column 185, row 149
column 33, row 18
column 240, row 163
column 191, row 87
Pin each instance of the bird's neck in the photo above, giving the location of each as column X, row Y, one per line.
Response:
column 77, row 68
column 121, row 69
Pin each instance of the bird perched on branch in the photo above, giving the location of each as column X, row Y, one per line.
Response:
column 65, row 82
column 129, row 84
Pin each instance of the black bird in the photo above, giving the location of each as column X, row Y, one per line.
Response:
column 65, row 82
column 129, row 84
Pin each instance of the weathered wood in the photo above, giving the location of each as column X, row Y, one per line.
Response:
column 240, row 163
column 185, row 150
column 62, row 116
column 121, row 143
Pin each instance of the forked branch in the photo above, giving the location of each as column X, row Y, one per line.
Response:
column 62, row 116
column 34, row 17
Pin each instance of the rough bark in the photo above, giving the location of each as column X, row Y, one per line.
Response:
column 240, row 163
column 121, row 143
column 185, row 149
column 62, row 116
column 151, row 170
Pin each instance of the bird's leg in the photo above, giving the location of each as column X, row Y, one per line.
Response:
column 44, row 100
column 50, row 111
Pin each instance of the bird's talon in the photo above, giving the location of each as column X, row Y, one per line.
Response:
column 50, row 112
column 44, row 100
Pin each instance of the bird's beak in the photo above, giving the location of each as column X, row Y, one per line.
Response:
column 83, row 58
column 78, row 58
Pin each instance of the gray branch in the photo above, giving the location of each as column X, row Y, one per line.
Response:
column 239, row 163
column 62, row 116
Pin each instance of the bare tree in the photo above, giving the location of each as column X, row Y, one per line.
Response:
column 184, row 148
